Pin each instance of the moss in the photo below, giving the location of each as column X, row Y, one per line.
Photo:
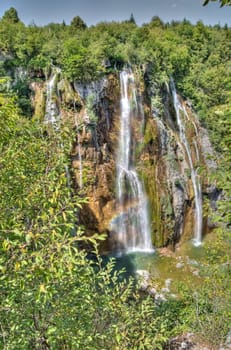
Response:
column 157, row 228
column 69, row 97
column 166, row 205
column 178, row 183
column 39, row 103
column 150, row 134
column 161, row 211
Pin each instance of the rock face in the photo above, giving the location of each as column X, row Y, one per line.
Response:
column 94, row 152
column 174, row 154
column 162, row 160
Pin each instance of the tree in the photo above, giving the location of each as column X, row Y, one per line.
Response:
column 78, row 23
column 156, row 21
column 132, row 19
column 11, row 15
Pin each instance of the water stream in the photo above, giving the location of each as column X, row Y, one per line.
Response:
column 51, row 112
column 132, row 224
column 181, row 114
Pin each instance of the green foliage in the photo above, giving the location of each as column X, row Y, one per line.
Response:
column 85, row 55
column 207, row 305
column 90, row 109
column 54, row 297
column 78, row 64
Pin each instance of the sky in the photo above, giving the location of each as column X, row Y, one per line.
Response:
column 43, row 12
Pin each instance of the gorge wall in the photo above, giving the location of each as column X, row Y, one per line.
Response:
column 173, row 157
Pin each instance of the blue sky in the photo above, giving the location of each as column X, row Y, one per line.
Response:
column 93, row 11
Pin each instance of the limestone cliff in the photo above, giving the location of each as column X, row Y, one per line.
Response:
column 161, row 160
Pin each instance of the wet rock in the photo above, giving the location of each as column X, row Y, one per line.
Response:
column 38, row 99
column 144, row 279
column 185, row 342
column 196, row 272
column 207, row 149
column 146, row 285
column 179, row 265
column 152, row 291
column 160, row 297
column 168, row 282
column 94, row 88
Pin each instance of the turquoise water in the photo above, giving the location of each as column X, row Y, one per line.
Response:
column 183, row 265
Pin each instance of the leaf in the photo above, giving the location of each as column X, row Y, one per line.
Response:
column 42, row 288
column 17, row 266
column 51, row 330
column 18, row 233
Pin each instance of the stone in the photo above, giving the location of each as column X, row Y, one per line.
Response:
column 179, row 265
column 228, row 341
column 196, row 273
column 159, row 297
column 152, row 291
column 144, row 279
column 168, row 282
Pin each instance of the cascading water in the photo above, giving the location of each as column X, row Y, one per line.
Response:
column 51, row 113
column 180, row 110
column 132, row 224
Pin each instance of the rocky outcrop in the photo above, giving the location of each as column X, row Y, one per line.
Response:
column 187, row 342
column 38, row 99
column 97, row 129
column 172, row 194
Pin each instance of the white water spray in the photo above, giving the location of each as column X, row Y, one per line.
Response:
column 180, row 110
column 132, row 224
column 52, row 112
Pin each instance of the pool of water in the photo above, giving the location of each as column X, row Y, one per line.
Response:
column 182, row 265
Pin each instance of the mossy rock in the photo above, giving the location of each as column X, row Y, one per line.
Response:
column 150, row 134
column 39, row 103
column 157, row 229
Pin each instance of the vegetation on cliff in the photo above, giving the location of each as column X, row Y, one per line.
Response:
column 52, row 295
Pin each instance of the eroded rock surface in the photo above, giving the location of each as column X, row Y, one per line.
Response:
column 160, row 156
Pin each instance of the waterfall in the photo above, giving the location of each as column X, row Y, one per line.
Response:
column 180, row 110
column 132, row 224
column 52, row 112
